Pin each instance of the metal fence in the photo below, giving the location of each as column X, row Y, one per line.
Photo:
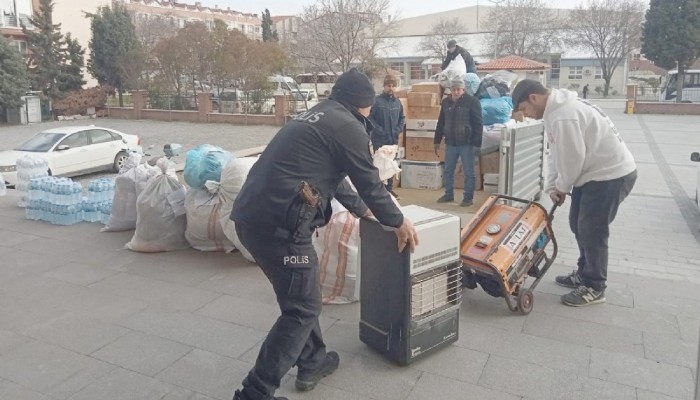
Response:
column 648, row 93
column 160, row 101
column 127, row 99
column 240, row 102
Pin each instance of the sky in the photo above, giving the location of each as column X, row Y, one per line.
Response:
column 406, row 8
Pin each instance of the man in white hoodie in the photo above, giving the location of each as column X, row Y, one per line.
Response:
column 589, row 160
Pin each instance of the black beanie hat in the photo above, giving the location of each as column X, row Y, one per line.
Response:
column 354, row 88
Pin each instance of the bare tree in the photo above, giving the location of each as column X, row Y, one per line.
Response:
column 336, row 34
column 151, row 30
column 440, row 33
column 611, row 29
column 526, row 28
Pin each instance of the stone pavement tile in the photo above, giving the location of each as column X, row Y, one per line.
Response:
column 642, row 373
column 121, row 384
column 534, row 349
column 232, row 283
column 10, row 340
column 431, row 386
column 114, row 258
column 49, row 247
column 80, row 334
column 647, row 395
column 345, row 335
column 212, row 260
column 477, row 305
column 9, row 238
column 344, row 312
column 171, row 269
column 17, row 314
column 372, row 377
column 608, row 314
column 541, row 383
column 8, row 273
column 79, row 274
column 669, row 304
column 570, row 330
column 671, row 350
column 155, row 292
column 659, row 275
column 51, row 370
column 143, row 353
column 320, row 392
column 29, row 262
column 455, row 363
column 12, row 391
column 253, row 314
column 195, row 330
column 690, row 328
column 212, row 374
column 614, row 294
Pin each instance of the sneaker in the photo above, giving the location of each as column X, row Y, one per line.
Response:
column 445, row 199
column 466, row 203
column 583, row 296
column 307, row 380
column 573, row 280
column 239, row 396
column 396, row 196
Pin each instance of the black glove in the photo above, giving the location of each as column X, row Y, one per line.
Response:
column 436, row 146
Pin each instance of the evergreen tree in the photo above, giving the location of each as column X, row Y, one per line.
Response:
column 671, row 35
column 269, row 34
column 113, row 40
column 45, row 42
column 71, row 77
column 14, row 82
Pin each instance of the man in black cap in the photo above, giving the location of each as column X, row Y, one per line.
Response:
column 453, row 50
column 588, row 159
column 388, row 119
column 460, row 123
column 286, row 196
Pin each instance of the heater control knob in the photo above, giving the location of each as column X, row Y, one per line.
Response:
column 493, row 229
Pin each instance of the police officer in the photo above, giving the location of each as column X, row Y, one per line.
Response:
column 286, row 196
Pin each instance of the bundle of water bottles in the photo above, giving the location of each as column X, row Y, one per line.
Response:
column 54, row 200
column 60, row 201
column 28, row 168
column 97, row 206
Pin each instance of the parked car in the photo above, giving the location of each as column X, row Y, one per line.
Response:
column 72, row 151
column 695, row 156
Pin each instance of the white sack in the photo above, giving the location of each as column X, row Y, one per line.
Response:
column 233, row 176
column 202, row 208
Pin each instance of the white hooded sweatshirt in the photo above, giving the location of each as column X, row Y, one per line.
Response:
column 584, row 144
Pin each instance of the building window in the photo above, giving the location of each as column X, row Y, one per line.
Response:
column 417, row 71
column 575, row 73
column 397, row 66
column 21, row 46
column 598, row 73
column 555, row 69
column 637, row 56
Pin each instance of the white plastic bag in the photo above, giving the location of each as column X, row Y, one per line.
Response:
column 204, row 230
column 130, row 182
column 161, row 221
column 337, row 245
column 233, row 176
column 456, row 70
column 384, row 159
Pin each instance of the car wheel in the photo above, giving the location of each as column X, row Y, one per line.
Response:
column 119, row 160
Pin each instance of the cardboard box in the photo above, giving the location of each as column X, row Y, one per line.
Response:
column 459, row 175
column 430, row 112
column 421, row 124
column 427, row 87
column 401, row 94
column 421, row 174
column 420, row 99
column 404, row 104
column 419, row 146
column 490, row 163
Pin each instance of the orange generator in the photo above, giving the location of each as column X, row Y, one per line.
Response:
column 505, row 243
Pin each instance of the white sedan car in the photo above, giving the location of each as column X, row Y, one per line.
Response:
column 71, row 151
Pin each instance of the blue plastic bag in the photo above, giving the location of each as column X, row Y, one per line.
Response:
column 496, row 111
column 472, row 81
column 205, row 163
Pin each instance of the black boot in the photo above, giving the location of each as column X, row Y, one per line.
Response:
column 239, row 396
column 307, row 380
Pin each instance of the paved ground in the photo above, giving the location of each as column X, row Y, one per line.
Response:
column 82, row 319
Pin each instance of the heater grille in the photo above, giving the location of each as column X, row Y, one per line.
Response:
column 435, row 290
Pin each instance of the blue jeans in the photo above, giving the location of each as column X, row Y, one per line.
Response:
column 466, row 154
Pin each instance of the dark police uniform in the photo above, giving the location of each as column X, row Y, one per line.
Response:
column 275, row 223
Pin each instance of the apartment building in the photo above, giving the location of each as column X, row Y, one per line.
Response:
column 181, row 13
column 13, row 15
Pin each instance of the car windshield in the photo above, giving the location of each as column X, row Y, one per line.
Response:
column 42, row 142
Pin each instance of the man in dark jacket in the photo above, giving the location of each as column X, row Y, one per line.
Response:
column 286, row 196
column 461, row 125
column 453, row 50
column 388, row 120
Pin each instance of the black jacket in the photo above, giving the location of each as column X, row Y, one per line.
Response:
column 388, row 119
column 321, row 147
column 460, row 122
column 465, row 55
